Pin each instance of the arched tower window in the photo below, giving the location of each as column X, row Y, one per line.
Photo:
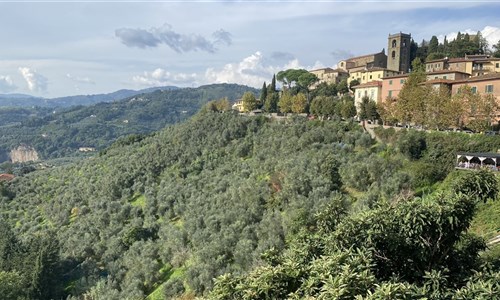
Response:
column 393, row 54
column 394, row 43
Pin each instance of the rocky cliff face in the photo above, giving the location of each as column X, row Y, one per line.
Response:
column 23, row 153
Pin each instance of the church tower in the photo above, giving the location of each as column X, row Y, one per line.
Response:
column 398, row 53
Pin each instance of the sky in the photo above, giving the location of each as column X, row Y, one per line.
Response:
column 61, row 48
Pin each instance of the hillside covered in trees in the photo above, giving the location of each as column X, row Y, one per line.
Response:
column 60, row 133
column 264, row 209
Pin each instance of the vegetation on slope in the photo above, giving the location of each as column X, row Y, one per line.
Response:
column 62, row 133
column 225, row 194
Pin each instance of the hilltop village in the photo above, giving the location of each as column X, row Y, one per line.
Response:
column 467, row 88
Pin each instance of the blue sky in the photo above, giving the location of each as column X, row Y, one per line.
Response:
column 62, row 48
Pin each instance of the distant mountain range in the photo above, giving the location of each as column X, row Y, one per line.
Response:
column 23, row 100
column 61, row 132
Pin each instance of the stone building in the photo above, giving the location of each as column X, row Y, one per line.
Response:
column 368, row 61
column 398, row 52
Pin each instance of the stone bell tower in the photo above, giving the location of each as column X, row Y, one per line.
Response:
column 398, row 52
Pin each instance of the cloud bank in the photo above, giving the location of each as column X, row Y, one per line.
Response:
column 36, row 82
column 6, row 84
column 180, row 43
column 80, row 79
column 252, row 70
column 161, row 77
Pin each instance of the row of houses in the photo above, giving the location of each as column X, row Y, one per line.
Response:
column 382, row 76
column 440, row 73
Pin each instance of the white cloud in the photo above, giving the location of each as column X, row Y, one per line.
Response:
column 80, row 79
column 252, row 70
column 6, row 84
column 36, row 82
column 162, row 77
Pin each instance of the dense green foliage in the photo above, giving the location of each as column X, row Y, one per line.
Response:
column 292, row 208
column 61, row 133
column 416, row 249
column 458, row 46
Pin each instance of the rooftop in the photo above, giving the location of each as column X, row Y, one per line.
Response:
column 363, row 56
column 490, row 76
column 368, row 84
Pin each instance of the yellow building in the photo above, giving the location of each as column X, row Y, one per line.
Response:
column 474, row 65
column 329, row 75
column 367, row 75
column 238, row 106
column 372, row 90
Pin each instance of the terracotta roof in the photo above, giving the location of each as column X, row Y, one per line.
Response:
column 457, row 59
column 491, row 76
column 322, row 69
column 445, row 72
column 6, row 177
column 397, row 76
column 330, row 70
column 438, row 80
column 374, row 69
column 363, row 56
column 436, row 60
column 368, row 84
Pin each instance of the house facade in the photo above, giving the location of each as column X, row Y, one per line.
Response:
column 329, row 75
column 473, row 65
column 372, row 90
column 368, row 75
column 447, row 75
column 392, row 85
column 485, row 84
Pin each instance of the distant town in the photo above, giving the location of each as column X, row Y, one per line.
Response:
column 380, row 78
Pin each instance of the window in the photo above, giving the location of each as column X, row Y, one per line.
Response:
column 497, row 65
column 402, row 81
column 372, row 94
column 359, row 94
column 444, row 77
column 390, row 82
column 371, row 76
column 390, row 94
column 435, row 77
column 489, row 88
column 404, row 43
column 393, row 54
column 341, row 64
column 378, row 75
column 363, row 77
column 394, row 43
column 474, row 89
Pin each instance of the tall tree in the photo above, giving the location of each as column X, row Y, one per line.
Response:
column 285, row 102
column 299, row 103
column 271, row 103
column 343, row 87
column 496, row 48
column 410, row 106
column 433, row 45
column 353, row 83
column 249, row 102
column 263, row 93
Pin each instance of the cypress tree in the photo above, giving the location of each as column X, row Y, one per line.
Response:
column 263, row 93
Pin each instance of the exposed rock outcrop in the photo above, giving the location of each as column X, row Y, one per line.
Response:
column 23, row 153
